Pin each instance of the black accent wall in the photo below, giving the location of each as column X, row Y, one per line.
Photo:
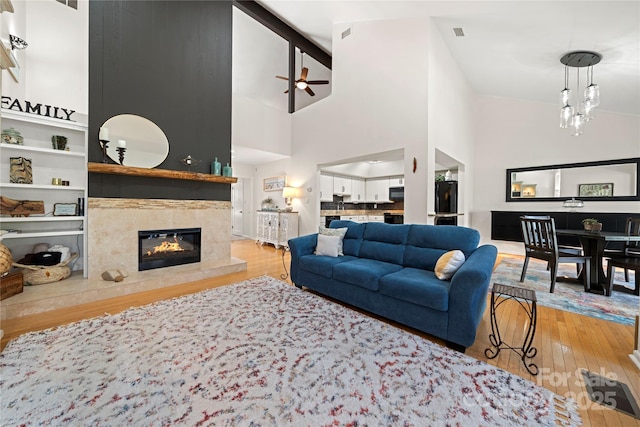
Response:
column 170, row 62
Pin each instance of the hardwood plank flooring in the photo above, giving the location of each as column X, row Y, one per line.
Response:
column 566, row 342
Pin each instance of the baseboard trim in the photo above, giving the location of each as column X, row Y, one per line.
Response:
column 635, row 357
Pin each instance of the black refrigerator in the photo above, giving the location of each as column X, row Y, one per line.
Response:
column 446, row 203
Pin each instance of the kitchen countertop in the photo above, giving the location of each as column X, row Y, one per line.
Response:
column 351, row 212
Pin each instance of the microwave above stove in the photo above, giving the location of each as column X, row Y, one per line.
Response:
column 396, row 193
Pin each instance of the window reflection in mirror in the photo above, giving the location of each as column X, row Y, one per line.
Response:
column 606, row 180
column 146, row 144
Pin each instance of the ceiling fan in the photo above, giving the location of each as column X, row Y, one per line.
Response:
column 302, row 83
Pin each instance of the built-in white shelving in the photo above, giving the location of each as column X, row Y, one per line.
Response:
column 47, row 163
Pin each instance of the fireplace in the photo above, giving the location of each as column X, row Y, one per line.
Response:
column 166, row 248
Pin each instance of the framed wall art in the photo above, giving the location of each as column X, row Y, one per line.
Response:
column 595, row 190
column 276, row 183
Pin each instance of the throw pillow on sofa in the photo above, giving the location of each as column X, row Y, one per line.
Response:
column 448, row 264
column 328, row 245
column 340, row 232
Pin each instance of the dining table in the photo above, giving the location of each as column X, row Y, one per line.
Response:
column 593, row 245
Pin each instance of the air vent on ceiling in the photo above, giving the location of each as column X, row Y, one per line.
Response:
column 458, row 32
column 346, row 33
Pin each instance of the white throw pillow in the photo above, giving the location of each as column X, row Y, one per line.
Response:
column 328, row 245
column 448, row 264
column 340, row 232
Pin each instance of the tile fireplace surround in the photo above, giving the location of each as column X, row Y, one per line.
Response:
column 113, row 226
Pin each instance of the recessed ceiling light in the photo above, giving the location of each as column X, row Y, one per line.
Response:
column 375, row 161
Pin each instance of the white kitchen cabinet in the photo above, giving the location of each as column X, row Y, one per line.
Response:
column 377, row 190
column 375, row 218
column 70, row 165
column 357, row 191
column 396, row 181
column 326, row 188
column 276, row 227
column 341, row 185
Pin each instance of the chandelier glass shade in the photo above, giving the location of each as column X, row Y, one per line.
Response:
column 576, row 111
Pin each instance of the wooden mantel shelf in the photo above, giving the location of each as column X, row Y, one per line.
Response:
column 112, row 169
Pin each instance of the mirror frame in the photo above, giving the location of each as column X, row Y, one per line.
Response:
column 635, row 160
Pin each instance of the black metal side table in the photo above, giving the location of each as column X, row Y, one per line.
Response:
column 527, row 300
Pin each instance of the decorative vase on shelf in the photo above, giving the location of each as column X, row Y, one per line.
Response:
column 267, row 204
column 227, row 170
column 215, row 167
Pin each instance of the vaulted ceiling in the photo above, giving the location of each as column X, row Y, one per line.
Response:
column 510, row 48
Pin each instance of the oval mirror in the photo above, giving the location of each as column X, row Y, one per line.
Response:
column 147, row 145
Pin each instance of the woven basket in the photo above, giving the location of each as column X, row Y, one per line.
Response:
column 41, row 274
column 5, row 259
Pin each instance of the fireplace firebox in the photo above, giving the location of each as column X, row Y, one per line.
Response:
column 166, row 248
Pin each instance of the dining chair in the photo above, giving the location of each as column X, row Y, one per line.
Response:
column 567, row 249
column 628, row 263
column 630, row 249
column 540, row 242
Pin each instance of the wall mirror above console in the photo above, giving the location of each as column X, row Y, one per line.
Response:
column 607, row 180
column 146, row 144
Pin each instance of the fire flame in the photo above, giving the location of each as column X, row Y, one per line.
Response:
column 166, row 247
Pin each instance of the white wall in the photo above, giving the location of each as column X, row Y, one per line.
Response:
column 384, row 77
column 259, row 126
column 374, row 107
column 451, row 124
column 54, row 68
column 514, row 133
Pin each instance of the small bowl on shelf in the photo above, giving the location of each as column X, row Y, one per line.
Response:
column 12, row 136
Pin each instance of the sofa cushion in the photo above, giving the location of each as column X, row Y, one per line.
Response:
column 353, row 239
column 448, row 264
column 417, row 286
column 363, row 272
column 384, row 242
column 427, row 243
column 321, row 265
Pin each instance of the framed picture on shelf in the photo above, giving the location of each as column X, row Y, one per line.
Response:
column 20, row 171
column 595, row 190
column 276, row 183
column 65, row 209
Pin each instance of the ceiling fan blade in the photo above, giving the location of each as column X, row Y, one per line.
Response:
column 303, row 75
column 318, row 82
column 309, row 91
column 281, row 77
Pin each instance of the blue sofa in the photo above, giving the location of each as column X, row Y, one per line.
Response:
column 388, row 270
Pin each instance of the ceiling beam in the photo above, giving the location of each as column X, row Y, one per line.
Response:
column 275, row 24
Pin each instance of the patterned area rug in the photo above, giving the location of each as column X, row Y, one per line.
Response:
column 260, row 352
column 619, row 307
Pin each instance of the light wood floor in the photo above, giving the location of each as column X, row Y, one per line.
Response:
column 566, row 342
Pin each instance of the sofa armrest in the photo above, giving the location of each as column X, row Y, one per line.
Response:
column 298, row 247
column 468, row 294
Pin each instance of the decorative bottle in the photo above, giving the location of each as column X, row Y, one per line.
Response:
column 227, row 170
column 215, row 167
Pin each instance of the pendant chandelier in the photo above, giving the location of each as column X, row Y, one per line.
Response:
column 576, row 115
